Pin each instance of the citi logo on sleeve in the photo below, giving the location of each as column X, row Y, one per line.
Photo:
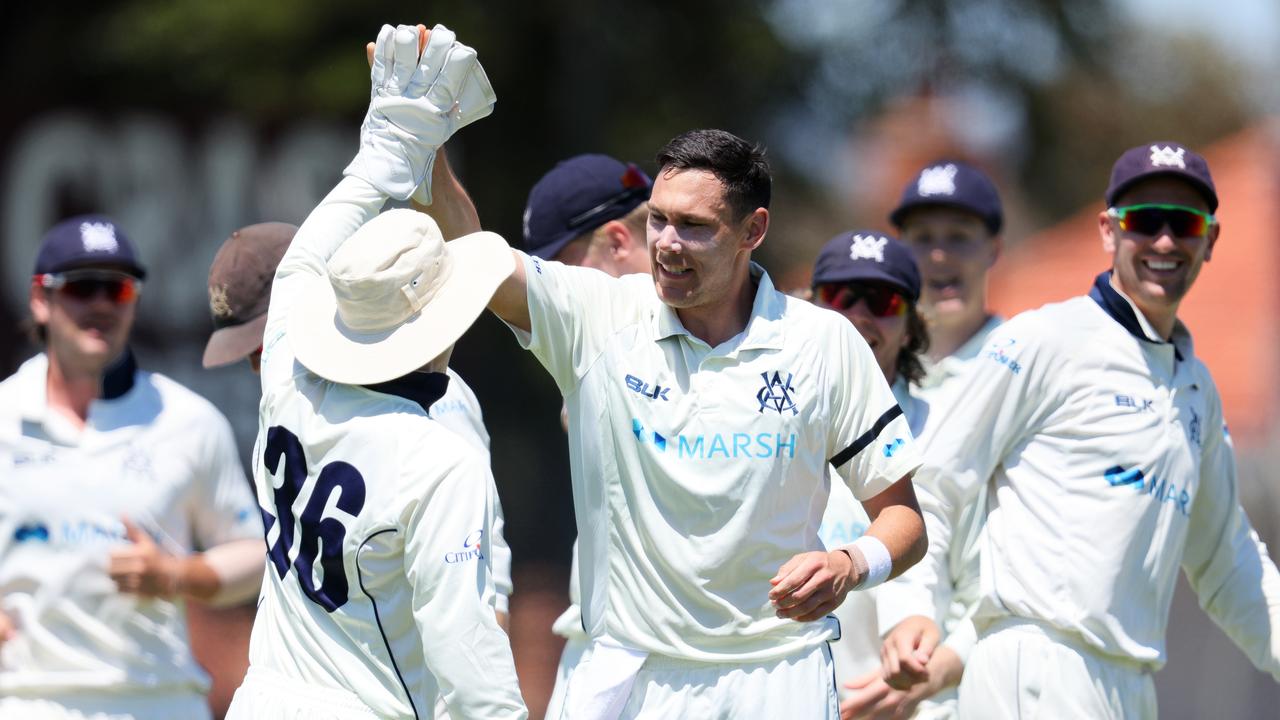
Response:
column 470, row 549
column 999, row 350
column 641, row 387
column 777, row 393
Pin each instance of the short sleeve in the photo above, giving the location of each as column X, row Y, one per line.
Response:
column 869, row 442
column 223, row 504
column 571, row 311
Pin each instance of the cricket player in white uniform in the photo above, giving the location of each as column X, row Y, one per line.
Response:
column 379, row 594
column 704, row 406
column 123, row 496
column 951, row 217
column 589, row 210
column 240, row 282
column 872, row 280
column 1102, row 439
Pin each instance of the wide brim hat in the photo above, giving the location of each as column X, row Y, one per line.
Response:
column 465, row 274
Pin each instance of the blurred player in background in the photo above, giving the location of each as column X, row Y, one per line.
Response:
column 123, row 497
column 950, row 216
column 1102, row 440
column 380, row 595
column 872, row 280
column 591, row 211
column 239, row 294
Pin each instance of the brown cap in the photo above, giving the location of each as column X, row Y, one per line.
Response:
column 240, row 289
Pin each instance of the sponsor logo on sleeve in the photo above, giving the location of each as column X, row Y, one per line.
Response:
column 470, row 549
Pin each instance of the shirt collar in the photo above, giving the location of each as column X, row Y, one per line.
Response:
column 941, row 370
column 1122, row 309
column 422, row 388
column 764, row 326
column 117, row 380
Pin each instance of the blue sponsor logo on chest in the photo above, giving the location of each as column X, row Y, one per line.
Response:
column 712, row 446
column 1160, row 490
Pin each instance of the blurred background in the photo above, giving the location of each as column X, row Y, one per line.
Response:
column 186, row 119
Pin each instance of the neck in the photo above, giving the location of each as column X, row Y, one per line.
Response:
column 70, row 389
column 713, row 324
column 1161, row 318
column 946, row 338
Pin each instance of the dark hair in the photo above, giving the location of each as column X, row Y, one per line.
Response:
column 908, row 364
column 742, row 167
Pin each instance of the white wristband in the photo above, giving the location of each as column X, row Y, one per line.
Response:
column 879, row 564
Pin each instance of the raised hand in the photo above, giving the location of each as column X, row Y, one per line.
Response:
column 419, row 97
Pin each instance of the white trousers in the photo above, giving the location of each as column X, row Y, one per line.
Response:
column 265, row 695
column 91, row 705
column 1020, row 669
column 800, row 686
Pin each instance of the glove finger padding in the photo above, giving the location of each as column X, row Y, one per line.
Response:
column 405, row 62
column 382, row 52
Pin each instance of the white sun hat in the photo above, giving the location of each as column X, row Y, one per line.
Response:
column 395, row 297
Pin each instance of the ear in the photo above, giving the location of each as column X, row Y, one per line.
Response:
column 757, row 224
column 39, row 303
column 1108, row 232
column 618, row 240
column 1213, row 240
column 997, row 247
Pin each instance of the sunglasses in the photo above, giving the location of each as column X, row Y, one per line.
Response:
column 881, row 301
column 1150, row 218
column 116, row 287
column 635, row 184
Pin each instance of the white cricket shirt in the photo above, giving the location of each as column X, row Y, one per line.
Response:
column 150, row 450
column 1107, row 454
column 951, row 602
column 378, row 523
column 858, row 650
column 459, row 411
column 699, row 471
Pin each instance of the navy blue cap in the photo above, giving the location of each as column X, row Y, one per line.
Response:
column 952, row 183
column 87, row 241
column 868, row 256
column 1161, row 158
column 577, row 196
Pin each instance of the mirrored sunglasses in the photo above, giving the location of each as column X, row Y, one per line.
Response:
column 116, row 287
column 881, row 301
column 1150, row 218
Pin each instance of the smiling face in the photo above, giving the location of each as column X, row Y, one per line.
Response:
column 1157, row 271
column 886, row 334
column 954, row 250
column 698, row 248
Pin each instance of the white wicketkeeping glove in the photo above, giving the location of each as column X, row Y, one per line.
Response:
column 415, row 106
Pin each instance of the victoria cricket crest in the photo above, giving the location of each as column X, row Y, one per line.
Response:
column 777, row 393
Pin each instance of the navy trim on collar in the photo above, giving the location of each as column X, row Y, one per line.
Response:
column 422, row 388
column 1121, row 311
column 118, row 378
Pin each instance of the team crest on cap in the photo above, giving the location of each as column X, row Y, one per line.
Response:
column 1168, row 156
column 218, row 304
column 98, row 237
column 869, row 247
column 938, row 180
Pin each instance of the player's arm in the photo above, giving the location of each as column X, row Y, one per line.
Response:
column 1227, row 565
column 1007, row 394
column 454, row 603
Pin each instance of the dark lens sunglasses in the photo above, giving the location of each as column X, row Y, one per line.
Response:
column 881, row 301
column 116, row 287
column 1150, row 218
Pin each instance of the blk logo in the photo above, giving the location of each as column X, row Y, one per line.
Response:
column 637, row 385
column 777, row 394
